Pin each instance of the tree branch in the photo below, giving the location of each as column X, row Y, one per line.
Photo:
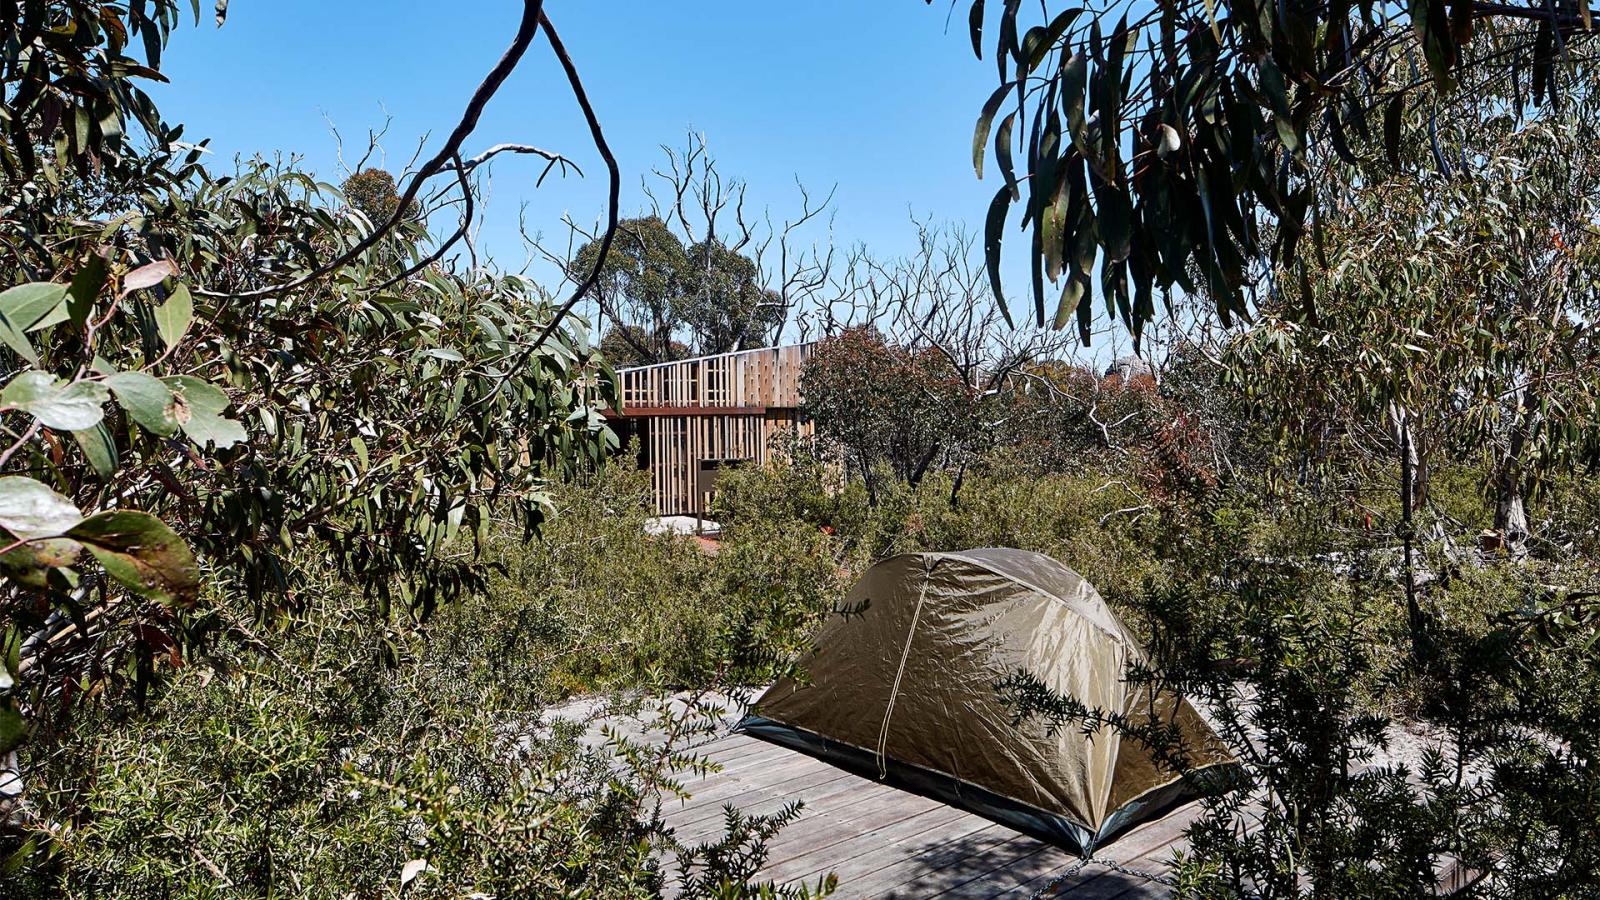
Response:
column 532, row 17
column 613, row 171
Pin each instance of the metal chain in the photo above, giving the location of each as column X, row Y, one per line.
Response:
column 1115, row 866
column 1049, row 890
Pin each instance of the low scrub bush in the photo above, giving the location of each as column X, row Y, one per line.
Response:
column 619, row 607
column 335, row 753
column 324, row 768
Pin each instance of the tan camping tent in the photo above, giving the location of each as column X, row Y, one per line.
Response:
column 904, row 690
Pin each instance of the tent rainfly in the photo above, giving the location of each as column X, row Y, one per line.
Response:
column 905, row 692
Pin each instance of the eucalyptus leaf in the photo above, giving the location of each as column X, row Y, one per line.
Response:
column 99, row 447
column 148, row 276
column 31, row 563
column 980, row 134
column 148, row 401
column 142, row 554
column 26, row 305
column 993, row 238
column 55, row 403
column 199, row 412
column 174, row 316
column 1169, row 141
column 87, row 283
column 13, row 337
column 30, row 510
column 55, row 317
column 22, row 308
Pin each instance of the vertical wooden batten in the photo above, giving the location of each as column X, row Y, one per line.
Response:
column 725, row 407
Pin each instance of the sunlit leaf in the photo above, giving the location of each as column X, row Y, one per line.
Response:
column 30, row 509
column 57, row 404
column 148, row 276
column 199, row 412
column 142, row 554
column 26, row 305
column 980, row 134
column 148, row 401
column 174, row 316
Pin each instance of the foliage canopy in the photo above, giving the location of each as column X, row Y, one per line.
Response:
column 1192, row 146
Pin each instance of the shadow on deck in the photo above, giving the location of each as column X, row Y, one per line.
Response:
column 881, row 842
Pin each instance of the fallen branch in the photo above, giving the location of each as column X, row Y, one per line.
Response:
column 1105, row 519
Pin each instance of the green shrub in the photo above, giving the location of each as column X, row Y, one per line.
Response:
column 322, row 757
column 322, row 768
column 619, row 607
column 1102, row 526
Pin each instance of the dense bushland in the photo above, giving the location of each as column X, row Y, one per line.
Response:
column 321, row 760
column 300, row 556
column 1281, row 607
column 326, row 752
column 260, row 431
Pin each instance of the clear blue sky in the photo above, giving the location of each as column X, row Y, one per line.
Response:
column 876, row 96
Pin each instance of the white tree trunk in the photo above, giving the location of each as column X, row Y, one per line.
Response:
column 1511, row 511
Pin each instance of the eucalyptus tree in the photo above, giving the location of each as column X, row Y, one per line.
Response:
column 665, row 300
column 212, row 388
column 1188, row 147
column 726, row 302
column 642, row 279
column 699, row 272
column 1455, row 317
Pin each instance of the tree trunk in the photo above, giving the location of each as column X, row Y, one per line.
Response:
column 1408, row 537
column 869, row 478
column 915, row 475
column 1511, row 511
column 1510, row 503
column 955, row 488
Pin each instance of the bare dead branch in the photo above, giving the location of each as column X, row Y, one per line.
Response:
column 532, row 17
column 613, row 171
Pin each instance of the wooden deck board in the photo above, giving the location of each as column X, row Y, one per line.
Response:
column 841, row 789
column 991, row 874
column 852, row 854
column 780, row 776
column 882, row 842
column 881, row 822
column 886, row 868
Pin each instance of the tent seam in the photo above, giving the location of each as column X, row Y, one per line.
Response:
column 905, row 655
column 1036, row 588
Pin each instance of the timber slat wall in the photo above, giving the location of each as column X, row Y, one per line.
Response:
column 727, row 406
column 768, row 377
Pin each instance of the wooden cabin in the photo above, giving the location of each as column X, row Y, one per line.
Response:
column 693, row 419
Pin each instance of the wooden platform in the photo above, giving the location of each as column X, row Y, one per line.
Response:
column 726, row 407
column 883, row 842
